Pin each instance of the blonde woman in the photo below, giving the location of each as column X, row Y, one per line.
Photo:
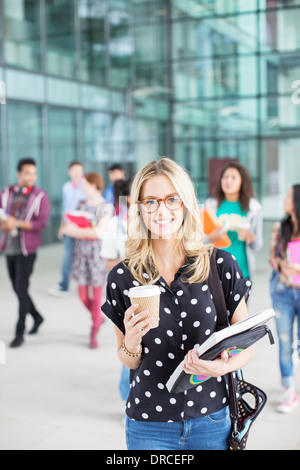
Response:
column 165, row 247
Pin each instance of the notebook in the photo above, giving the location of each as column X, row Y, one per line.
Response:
column 210, row 223
column 80, row 218
column 233, row 339
column 293, row 251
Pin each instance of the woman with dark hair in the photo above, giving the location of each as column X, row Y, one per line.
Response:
column 240, row 214
column 285, row 293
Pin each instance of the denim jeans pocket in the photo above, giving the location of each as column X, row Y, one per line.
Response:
column 277, row 287
column 219, row 416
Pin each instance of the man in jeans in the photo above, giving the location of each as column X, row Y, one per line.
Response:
column 25, row 213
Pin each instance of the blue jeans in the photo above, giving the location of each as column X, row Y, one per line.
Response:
column 67, row 262
column 124, row 385
column 286, row 303
column 207, row 433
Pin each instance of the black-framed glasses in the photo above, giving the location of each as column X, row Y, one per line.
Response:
column 151, row 204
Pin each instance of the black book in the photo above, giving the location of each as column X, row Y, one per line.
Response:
column 233, row 339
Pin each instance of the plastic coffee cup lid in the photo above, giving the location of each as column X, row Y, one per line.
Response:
column 144, row 291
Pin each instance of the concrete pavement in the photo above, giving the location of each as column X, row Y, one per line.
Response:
column 56, row 393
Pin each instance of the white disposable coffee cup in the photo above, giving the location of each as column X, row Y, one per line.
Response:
column 147, row 298
column 243, row 230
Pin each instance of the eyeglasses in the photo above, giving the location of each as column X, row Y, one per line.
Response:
column 151, row 204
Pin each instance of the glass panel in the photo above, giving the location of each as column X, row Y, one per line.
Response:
column 222, row 36
column 145, row 152
column 143, row 10
column 207, row 78
column 25, row 86
column 144, row 44
column 279, row 30
column 121, row 45
column 278, row 72
column 237, row 117
column 206, row 8
column 219, row 117
column 93, row 43
column 281, row 115
column 119, row 131
column 22, row 34
column 265, row 4
column 60, row 23
column 96, row 136
column 63, row 92
column 117, row 102
column 144, row 75
column 95, row 97
column 25, row 137
column 280, row 171
column 63, row 148
column 200, row 116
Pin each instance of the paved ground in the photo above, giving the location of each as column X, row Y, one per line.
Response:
column 56, row 393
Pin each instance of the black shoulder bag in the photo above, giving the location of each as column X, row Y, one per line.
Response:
column 242, row 414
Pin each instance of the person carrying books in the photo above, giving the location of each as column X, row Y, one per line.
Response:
column 240, row 214
column 285, row 292
column 166, row 248
column 88, row 267
column 72, row 195
column 27, row 210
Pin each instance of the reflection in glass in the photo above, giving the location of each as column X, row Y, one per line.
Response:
column 96, row 137
column 22, row 34
column 63, row 148
column 120, row 43
column 25, row 137
column 93, row 51
column 279, row 30
column 61, row 44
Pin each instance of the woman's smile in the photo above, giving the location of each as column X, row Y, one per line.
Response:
column 163, row 222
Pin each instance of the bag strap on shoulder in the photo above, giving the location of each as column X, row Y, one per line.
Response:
column 216, row 289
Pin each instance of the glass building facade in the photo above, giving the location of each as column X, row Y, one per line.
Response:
column 104, row 81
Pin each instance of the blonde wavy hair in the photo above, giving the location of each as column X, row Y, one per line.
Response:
column 139, row 257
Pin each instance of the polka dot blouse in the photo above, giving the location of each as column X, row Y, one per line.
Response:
column 187, row 318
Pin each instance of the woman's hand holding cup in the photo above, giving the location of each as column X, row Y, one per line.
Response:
column 136, row 326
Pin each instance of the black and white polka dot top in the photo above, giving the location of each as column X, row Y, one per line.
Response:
column 187, row 318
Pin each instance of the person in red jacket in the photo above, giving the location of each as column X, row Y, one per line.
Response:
column 24, row 214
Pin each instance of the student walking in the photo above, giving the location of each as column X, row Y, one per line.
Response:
column 166, row 247
column 27, row 211
column 235, row 206
column 89, row 268
column 72, row 195
column 285, row 294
